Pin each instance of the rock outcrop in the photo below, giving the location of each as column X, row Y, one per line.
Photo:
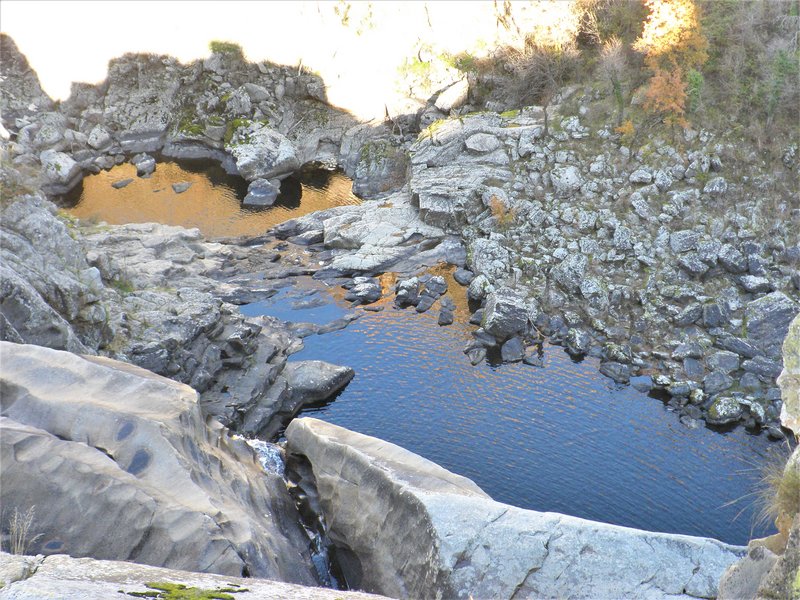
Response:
column 67, row 578
column 122, row 464
column 408, row 528
column 789, row 379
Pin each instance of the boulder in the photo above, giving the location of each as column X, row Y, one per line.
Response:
column 68, row 578
column 263, row 153
column 453, row 96
column 506, row 313
column 181, row 186
column 121, row 464
column 724, row 410
column 60, row 173
column 410, row 529
column 767, row 320
column 566, row 180
column 789, row 379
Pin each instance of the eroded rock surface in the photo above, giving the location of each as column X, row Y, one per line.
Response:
column 121, row 464
column 68, row 578
column 412, row 529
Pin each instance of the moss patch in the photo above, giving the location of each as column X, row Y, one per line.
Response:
column 178, row 591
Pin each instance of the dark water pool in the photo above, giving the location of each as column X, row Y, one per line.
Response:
column 212, row 203
column 561, row 438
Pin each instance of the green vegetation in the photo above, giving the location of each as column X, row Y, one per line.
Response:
column 657, row 67
column 227, row 48
column 779, row 495
column 123, row 286
column 178, row 591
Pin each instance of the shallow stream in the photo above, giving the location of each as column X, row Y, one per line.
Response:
column 557, row 438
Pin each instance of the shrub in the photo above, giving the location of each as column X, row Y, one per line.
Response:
column 228, row 48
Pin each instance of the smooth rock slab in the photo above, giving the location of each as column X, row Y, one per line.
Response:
column 122, row 464
column 414, row 530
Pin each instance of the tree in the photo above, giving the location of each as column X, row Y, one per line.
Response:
column 672, row 43
column 540, row 72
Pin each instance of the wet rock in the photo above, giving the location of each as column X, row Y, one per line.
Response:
column 620, row 373
column 407, row 292
column 447, row 306
column 181, row 187
column 144, row 163
column 577, row 341
column 117, row 185
column 476, row 355
column 513, row 350
column 724, row 410
column 365, row 290
column 261, row 193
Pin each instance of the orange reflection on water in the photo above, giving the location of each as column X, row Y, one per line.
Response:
column 215, row 209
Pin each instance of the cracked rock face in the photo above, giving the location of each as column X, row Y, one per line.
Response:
column 410, row 528
column 121, row 464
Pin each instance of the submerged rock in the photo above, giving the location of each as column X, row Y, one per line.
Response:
column 459, row 543
column 121, row 464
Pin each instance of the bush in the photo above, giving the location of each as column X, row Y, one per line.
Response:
column 228, row 48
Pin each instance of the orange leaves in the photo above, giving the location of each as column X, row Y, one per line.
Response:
column 672, row 44
column 666, row 94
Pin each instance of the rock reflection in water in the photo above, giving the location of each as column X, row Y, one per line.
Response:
column 212, row 203
column 561, row 438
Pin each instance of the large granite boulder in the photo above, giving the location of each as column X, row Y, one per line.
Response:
column 68, row 578
column 121, row 464
column 263, row 153
column 408, row 528
column 789, row 379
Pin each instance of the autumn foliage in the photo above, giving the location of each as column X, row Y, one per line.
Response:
column 672, row 43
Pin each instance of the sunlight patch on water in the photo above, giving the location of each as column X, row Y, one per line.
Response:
column 212, row 203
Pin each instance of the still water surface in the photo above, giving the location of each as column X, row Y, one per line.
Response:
column 212, row 203
column 561, row 438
